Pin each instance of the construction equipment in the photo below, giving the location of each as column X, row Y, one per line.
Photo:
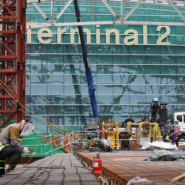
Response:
column 87, row 68
column 110, row 131
column 146, row 132
column 168, row 124
column 157, row 113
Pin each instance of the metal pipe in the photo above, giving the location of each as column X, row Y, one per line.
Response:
column 141, row 23
column 122, row 15
column 111, row 10
column 136, row 141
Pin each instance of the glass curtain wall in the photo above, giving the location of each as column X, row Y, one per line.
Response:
column 126, row 77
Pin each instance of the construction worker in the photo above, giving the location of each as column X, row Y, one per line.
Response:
column 176, row 136
column 167, row 138
column 104, row 145
column 9, row 145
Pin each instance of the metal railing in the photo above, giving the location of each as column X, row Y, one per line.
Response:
column 77, row 140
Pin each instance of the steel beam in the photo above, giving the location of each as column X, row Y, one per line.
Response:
column 122, row 15
column 131, row 11
column 176, row 9
column 144, row 2
column 41, row 12
column 7, row 97
column 52, row 10
column 111, row 10
column 63, row 10
column 6, row 71
column 8, row 57
column 109, row 23
column 9, row 17
column 6, row 88
column 8, row 31
column 92, row 3
column 37, row 1
column 8, row 111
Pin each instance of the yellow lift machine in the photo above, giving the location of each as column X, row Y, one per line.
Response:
column 148, row 132
column 111, row 133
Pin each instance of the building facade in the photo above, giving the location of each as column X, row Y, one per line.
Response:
column 131, row 64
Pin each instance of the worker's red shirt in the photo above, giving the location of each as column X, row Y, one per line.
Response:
column 175, row 133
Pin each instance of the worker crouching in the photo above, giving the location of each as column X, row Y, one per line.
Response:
column 104, row 145
column 9, row 145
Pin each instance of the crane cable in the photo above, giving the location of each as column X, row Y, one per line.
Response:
column 31, row 111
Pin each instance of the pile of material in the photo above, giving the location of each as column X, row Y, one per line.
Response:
column 164, row 155
column 159, row 145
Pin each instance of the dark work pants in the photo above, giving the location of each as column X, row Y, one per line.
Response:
column 178, row 139
column 14, row 153
column 104, row 147
column 173, row 138
column 2, row 171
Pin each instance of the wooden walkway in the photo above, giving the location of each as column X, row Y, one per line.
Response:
column 57, row 169
column 119, row 168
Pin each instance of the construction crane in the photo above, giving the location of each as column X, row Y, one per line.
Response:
column 91, row 88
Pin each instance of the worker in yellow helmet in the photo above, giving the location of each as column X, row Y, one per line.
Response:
column 9, row 145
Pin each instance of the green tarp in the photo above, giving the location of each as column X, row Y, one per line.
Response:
column 164, row 155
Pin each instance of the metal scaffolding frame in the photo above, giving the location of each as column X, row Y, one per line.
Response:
column 12, row 59
column 120, row 21
column 176, row 9
column 141, row 23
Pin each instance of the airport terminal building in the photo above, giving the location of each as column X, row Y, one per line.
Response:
column 131, row 64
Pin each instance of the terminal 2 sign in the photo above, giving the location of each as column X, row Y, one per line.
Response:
column 131, row 36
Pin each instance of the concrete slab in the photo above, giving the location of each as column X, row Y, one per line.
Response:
column 57, row 169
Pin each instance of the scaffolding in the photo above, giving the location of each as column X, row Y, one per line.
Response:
column 12, row 59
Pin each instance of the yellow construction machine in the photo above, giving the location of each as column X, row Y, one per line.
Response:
column 146, row 132
column 110, row 131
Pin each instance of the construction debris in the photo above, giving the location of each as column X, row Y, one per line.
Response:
column 137, row 180
column 164, row 155
column 158, row 145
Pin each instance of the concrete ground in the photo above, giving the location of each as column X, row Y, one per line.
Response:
column 58, row 169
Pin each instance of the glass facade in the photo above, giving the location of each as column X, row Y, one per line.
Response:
column 126, row 77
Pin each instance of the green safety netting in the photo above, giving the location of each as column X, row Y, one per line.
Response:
column 35, row 143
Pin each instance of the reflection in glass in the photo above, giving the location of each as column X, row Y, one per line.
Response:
column 126, row 78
